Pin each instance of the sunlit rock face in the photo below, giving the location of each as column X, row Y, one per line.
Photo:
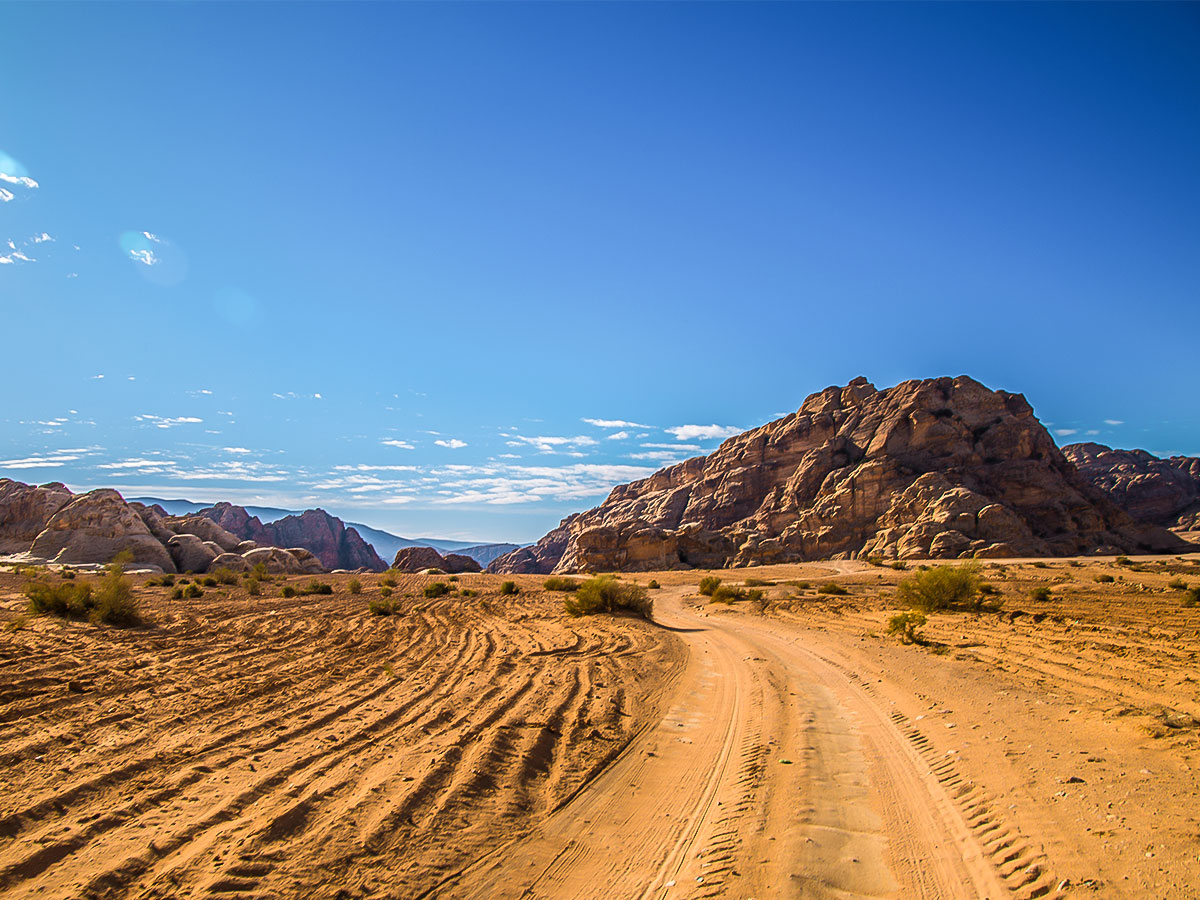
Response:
column 937, row 468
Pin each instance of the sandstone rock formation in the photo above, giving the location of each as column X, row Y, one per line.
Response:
column 326, row 537
column 417, row 559
column 205, row 529
column 96, row 526
column 25, row 510
column 939, row 468
column 283, row 562
column 189, row 553
column 1159, row 491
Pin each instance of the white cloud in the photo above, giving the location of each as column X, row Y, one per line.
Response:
column 292, row 395
column 168, row 422
column 40, row 238
column 1066, row 432
column 671, row 446
column 1093, row 431
column 18, row 179
column 552, row 443
column 235, row 449
column 17, row 256
column 137, row 463
column 6, row 195
column 703, row 432
column 366, row 468
column 614, row 423
column 97, row 377
column 1113, row 422
column 145, row 257
column 37, row 462
column 665, row 456
column 403, row 445
column 619, row 436
column 503, row 485
column 152, row 237
column 452, row 444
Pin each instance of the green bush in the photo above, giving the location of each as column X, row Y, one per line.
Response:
column 354, row 586
column 382, row 606
column 260, row 572
column 906, row 625
column 287, row 591
column 1192, row 598
column 385, row 591
column 253, row 588
column 653, row 585
column 1038, row 565
column 388, row 579
column 833, row 588
column 1104, row 579
column 1040, row 594
column 758, row 582
column 437, row 589
column 509, row 587
column 1124, row 561
column 899, row 565
column 114, row 601
column 467, row 592
column 69, row 601
column 224, row 575
column 191, row 592
column 709, row 584
column 208, row 581
column 725, row 593
column 317, row 587
column 941, row 587
column 558, row 583
column 605, row 594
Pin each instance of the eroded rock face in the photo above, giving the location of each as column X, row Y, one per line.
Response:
column 541, row 557
column 25, row 511
column 96, row 526
column 205, row 529
column 323, row 535
column 939, row 468
column 278, row 561
column 417, row 559
column 190, row 553
column 1159, row 491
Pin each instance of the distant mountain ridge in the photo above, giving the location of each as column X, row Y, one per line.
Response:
column 386, row 544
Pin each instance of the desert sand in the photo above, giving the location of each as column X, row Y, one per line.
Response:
column 489, row 746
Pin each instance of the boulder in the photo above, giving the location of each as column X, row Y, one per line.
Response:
column 232, row 561
column 25, row 510
column 96, row 526
column 205, row 529
column 414, row 559
column 457, row 563
column 283, row 562
column 191, row 554
column 155, row 520
column 308, row 562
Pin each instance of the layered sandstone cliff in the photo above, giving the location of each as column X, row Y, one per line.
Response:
column 938, row 468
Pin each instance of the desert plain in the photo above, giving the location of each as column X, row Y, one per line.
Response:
column 487, row 745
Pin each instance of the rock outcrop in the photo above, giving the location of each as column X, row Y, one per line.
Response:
column 938, row 468
column 25, row 510
column 190, row 553
column 417, row 559
column 96, row 526
column 326, row 537
column 1159, row 491
column 205, row 529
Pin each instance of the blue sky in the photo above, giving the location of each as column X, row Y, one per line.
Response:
column 458, row 269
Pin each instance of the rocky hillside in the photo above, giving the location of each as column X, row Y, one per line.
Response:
column 326, row 537
column 940, row 468
column 1158, row 491
column 50, row 524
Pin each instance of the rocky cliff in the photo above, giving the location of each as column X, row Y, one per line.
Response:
column 1158, row 491
column 326, row 537
column 939, row 468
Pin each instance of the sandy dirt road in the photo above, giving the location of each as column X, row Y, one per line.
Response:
column 776, row 773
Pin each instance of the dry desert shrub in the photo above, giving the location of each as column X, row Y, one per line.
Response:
column 558, row 583
column 605, row 594
column 942, row 587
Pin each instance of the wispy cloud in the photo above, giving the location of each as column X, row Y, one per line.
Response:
column 37, row 462
column 452, row 444
column 168, row 421
column 664, row 456
column 403, row 445
column 1114, row 422
column 614, row 423
column 551, row 443
column 671, row 446
column 1066, row 432
column 236, row 450
column 22, row 180
column 703, row 432
column 619, row 436
column 145, row 257
column 503, row 485
column 292, row 395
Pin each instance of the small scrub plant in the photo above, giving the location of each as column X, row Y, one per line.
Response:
column 1191, row 598
column 802, row 585
column 899, row 565
column 988, row 590
column 1124, row 561
column 385, row 591
column 509, row 587
column 906, row 625
column 317, row 587
column 388, row 579
column 1040, row 594
column 68, row 601
column 114, row 600
column 354, row 586
column 653, row 585
column 190, row 592
column 287, row 591
column 68, row 573
column 382, row 606
column 758, row 582
column 437, row 589
column 1038, row 565
column 260, row 572
column 558, row 583
column 832, row 588
column 1104, row 579
column 467, row 592
column 224, row 575
column 605, row 594
column 208, row 581
column 253, row 588
column 875, row 560
column 1177, row 584
column 942, row 587
column 709, row 584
